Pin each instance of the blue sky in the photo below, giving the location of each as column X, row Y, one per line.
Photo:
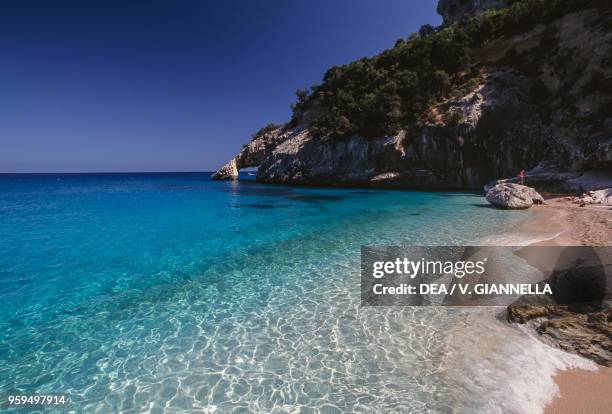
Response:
column 172, row 85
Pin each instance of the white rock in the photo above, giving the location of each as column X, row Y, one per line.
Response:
column 603, row 197
column 513, row 196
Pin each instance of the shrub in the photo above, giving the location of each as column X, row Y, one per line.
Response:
column 268, row 128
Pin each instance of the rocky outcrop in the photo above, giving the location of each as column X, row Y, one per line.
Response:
column 587, row 333
column 228, row 172
column 305, row 159
column 454, row 10
column 540, row 102
column 513, row 196
column 577, row 316
column 252, row 154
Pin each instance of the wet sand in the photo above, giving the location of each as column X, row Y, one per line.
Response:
column 582, row 392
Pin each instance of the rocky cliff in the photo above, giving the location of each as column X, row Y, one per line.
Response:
column 538, row 99
column 252, row 154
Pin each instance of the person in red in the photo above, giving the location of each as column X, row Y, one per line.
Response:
column 521, row 176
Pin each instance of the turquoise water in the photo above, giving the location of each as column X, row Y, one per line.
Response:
column 174, row 293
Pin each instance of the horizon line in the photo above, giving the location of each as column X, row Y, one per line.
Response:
column 105, row 172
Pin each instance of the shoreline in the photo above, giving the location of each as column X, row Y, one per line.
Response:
column 560, row 222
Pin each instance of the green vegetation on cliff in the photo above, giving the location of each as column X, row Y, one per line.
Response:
column 377, row 96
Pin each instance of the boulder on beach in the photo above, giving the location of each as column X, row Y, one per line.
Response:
column 513, row 196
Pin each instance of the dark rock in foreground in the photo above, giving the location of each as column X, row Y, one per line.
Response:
column 587, row 333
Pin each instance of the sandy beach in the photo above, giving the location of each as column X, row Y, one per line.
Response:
column 582, row 392
column 564, row 223
column 573, row 225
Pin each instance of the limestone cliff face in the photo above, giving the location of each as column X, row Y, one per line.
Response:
column 252, row 154
column 540, row 102
column 432, row 155
column 454, row 10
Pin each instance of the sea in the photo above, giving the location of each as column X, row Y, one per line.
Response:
column 174, row 293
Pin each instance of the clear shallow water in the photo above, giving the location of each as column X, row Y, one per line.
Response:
column 173, row 293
